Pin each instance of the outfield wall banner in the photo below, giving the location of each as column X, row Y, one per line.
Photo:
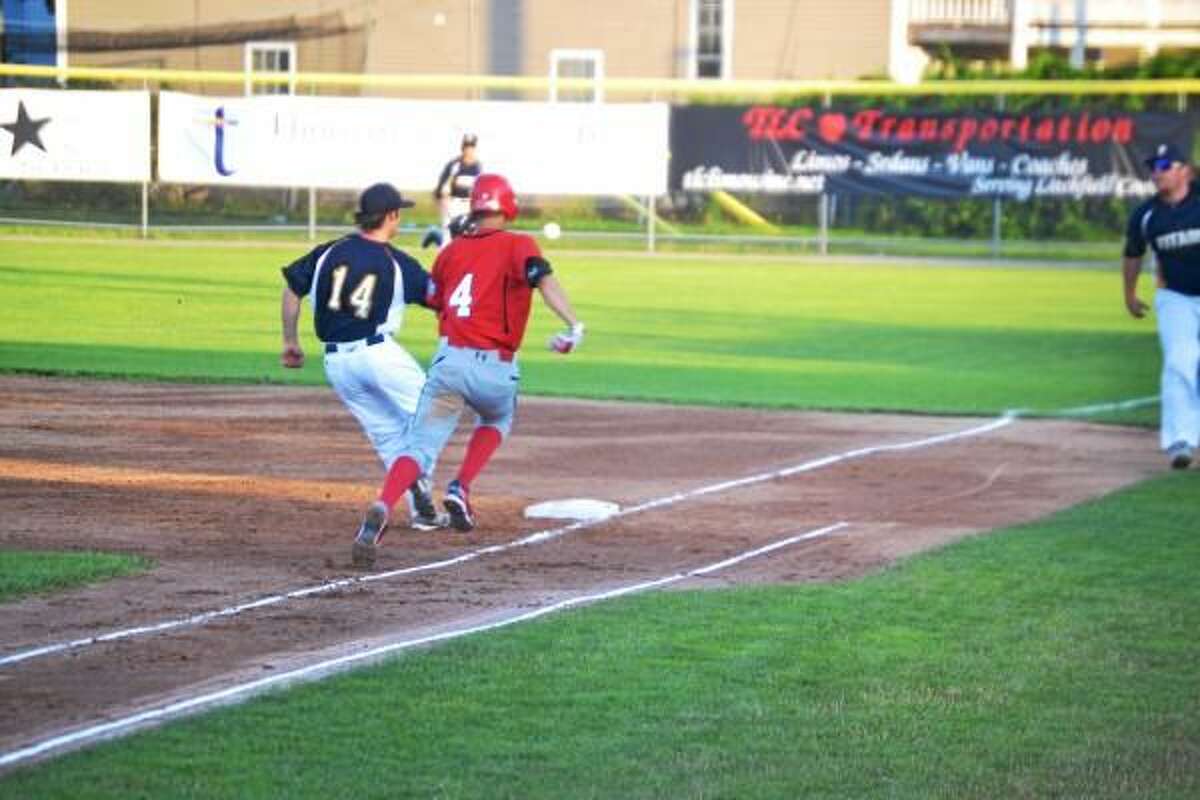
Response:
column 61, row 135
column 872, row 151
column 349, row 143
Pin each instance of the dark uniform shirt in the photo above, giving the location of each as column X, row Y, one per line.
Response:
column 457, row 178
column 1173, row 231
column 358, row 287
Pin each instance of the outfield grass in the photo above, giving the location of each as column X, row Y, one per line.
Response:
column 690, row 329
column 26, row 572
column 1055, row 659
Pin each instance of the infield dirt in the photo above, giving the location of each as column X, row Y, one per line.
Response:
column 239, row 493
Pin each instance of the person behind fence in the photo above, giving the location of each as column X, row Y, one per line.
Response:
column 358, row 286
column 453, row 190
column 483, row 284
column 1169, row 224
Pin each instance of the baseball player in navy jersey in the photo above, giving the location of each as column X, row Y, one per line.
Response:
column 358, row 286
column 1169, row 223
column 453, row 190
column 482, row 288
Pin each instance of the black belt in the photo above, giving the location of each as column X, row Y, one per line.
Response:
column 332, row 347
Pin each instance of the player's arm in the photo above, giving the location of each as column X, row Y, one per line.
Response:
column 556, row 300
column 540, row 276
column 1131, row 268
column 435, row 291
column 1131, row 263
column 417, row 283
column 443, row 184
column 298, row 277
column 291, row 356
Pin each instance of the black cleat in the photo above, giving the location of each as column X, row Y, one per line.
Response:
column 1180, row 454
column 425, row 515
column 458, row 507
column 362, row 554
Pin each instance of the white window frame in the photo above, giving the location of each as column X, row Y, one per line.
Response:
column 727, row 16
column 595, row 57
column 60, row 39
column 252, row 48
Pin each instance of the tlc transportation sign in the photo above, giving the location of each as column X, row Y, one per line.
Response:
column 809, row 150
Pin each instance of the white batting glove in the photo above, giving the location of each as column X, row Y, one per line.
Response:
column 566, row 341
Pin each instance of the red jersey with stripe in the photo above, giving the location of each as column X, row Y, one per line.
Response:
column 481, row 291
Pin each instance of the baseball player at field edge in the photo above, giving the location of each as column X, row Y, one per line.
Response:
column 453, row 190
column 1169, row 223
column 482, row 287
column 358, row 286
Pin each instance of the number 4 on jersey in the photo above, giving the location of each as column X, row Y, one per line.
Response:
column 460, row 298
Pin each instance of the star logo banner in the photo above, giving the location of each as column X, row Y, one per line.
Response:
column 48, row 134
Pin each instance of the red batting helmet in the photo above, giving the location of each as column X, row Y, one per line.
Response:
column 492, row 193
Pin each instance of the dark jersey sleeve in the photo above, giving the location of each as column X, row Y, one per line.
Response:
column 416, row 279
column 524, row 264
column 299, row 274
column 536, row 268
column 1135, row 238
column 444, row 179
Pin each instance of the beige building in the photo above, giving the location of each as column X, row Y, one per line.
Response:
column 753, row 39
column 714, row 39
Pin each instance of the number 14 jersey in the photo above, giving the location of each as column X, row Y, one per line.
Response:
column 358, row 287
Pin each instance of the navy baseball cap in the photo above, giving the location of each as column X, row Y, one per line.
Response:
column 1167, row 153
column 380, row 198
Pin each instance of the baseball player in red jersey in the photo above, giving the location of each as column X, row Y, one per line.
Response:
column 482, row 287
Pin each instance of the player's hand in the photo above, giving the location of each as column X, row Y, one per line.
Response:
column 566, row 341
column 460, row 225
column 1135, row 306
column 292, row 356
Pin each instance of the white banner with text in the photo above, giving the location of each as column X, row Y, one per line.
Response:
column 349, row 143
column 62, row 135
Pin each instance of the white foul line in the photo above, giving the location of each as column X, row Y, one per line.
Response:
column 554, row 533
column 1100, row 408
column 533, row 538
column 193, row 704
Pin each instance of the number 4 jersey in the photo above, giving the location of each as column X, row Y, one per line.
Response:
column 358, row 287
column 482, row 287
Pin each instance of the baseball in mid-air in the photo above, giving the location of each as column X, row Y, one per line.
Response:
column 551, row 230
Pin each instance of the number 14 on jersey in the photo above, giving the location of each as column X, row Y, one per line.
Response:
column 362, row 296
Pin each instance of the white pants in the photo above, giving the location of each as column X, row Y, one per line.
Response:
column 452, row 207
column 1179, row 334
column 380, row 384
column 462, row 377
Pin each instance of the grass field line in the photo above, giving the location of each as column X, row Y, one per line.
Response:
column 1100, row 408
column 241, row 691
column 538, row 537
column 806, row 258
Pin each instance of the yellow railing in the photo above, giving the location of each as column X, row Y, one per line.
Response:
column 650, row 87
